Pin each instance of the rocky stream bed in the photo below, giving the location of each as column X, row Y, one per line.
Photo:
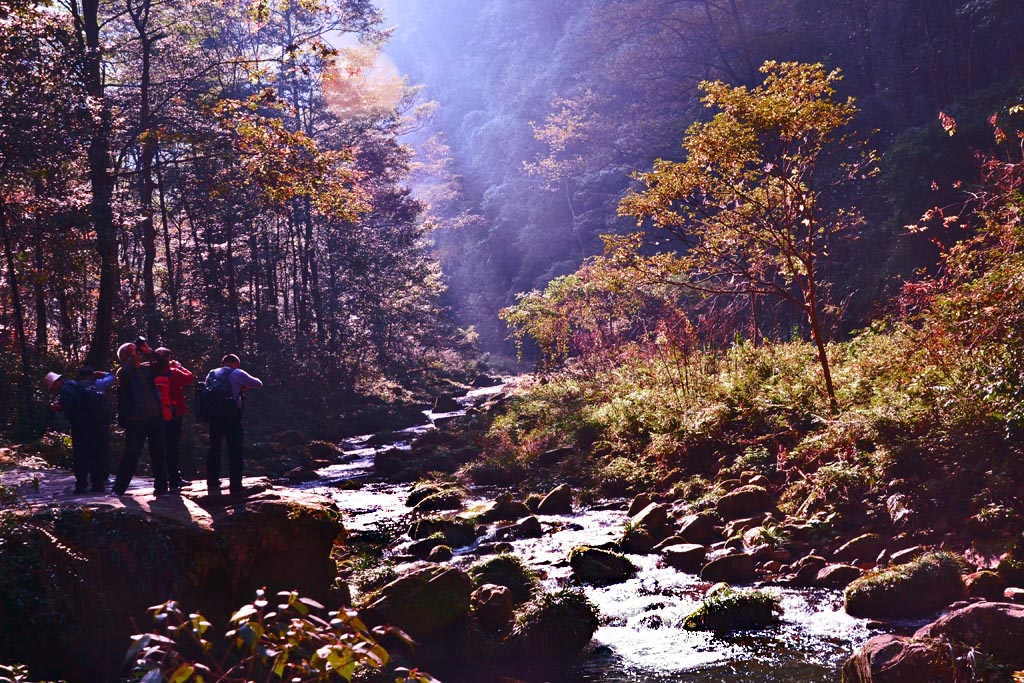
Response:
column 77, row 574
column 640, row 637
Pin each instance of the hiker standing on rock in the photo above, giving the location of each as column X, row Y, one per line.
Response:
column 82, row 403
column 222, row 401
column 139, row 412
column 171, row 379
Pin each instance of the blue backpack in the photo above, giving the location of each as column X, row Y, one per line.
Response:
column 215, row 400
column 97, row 402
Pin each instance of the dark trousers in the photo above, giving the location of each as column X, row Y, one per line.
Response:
column 90, row 443
column 172, row 438
column 136, row 434
column 229, row 430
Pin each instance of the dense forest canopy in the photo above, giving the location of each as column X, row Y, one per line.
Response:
column 547, row 108
column 236, row 175
column 221, row 176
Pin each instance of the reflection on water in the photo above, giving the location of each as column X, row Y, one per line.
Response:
column 640, row 637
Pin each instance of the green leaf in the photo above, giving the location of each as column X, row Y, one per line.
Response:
column 183, row 673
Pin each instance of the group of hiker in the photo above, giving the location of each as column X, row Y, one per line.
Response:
column 151, row 407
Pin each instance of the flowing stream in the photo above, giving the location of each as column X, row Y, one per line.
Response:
column 640, row 637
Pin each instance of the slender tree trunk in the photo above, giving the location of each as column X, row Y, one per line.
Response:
column 102, row 182
column 817, row 331
column 39, row 290
column 314, row 272
column 147, row 155
column 233, row 307
column 172, row 279
column 18, row 311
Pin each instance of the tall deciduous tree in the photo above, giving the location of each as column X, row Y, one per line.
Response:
column 749, row 199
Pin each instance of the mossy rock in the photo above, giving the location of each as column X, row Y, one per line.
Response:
column 421, row 491
column 445, row 499
column 508, row 571
column 421, row 602
column 725, row 609
column 552, row 630
column 323, row 450
column 456, row 532
column 600, row 567
column 918, row 588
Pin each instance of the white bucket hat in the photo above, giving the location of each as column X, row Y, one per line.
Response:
column 51, row 379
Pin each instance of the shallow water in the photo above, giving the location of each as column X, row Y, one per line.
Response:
column 640, row 637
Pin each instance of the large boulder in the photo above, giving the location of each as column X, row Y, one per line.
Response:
column 79, row 575
column 893, row 659
column 985, row 584
column 725, row 609
column 994, row 628
column 744, row 501
column 864, row 548
column 493, row 607
column 699, row 528
column 636, row 542
column 421, row 602
column 551, row 631
column 686, row 557
column 732, row 568
column 503, row 508
column 916, row 589
column 557, row 502
column 456, row 532
column 988, row 633
column 527, row 527
column 654, row 520
column 444, row 499
column 599, row 567
column 837, row 576
column 509, row 571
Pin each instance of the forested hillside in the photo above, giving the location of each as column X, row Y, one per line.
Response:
column 548, row 107
column 217, row 176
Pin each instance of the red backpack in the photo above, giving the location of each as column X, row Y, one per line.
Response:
column 163, row 387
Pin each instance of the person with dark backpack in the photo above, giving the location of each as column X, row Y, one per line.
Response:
column 89, row 429
column 220, row 402
column 139, row 412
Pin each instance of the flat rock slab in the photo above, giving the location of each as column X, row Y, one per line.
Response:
column 47, row 488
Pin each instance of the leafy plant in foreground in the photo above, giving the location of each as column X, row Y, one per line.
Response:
column 289, row 641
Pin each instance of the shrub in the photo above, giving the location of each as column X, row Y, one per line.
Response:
column 287, row 641
column 622, row 476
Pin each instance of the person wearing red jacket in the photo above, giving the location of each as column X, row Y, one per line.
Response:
column 171, row 379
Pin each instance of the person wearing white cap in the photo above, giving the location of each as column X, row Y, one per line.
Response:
column 88, row 433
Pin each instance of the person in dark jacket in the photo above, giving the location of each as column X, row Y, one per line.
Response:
column 228, row 427
column 138, row 405
column 90, row 426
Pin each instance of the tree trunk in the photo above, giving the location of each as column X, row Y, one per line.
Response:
column 39, row 289
column 24, row 388
column 147, row 156
column 172, row 278
column 102, row 182
column 819, row 341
